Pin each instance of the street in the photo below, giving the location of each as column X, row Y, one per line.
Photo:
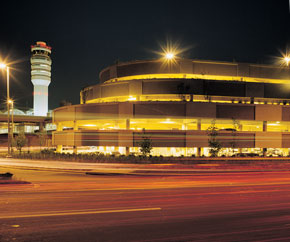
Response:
column 72, row 206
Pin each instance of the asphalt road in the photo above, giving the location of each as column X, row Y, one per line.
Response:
column 60, row 206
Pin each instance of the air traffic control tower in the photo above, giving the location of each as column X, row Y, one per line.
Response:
column 40, row 76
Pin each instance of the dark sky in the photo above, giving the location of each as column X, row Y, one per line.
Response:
column 87, row 36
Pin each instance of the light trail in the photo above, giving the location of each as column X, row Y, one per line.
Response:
column 78, row 212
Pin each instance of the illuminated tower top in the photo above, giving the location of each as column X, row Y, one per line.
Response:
column 40, row 76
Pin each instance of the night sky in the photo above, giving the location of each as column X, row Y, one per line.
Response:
column 87, row 36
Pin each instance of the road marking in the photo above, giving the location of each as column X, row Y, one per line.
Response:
column 79, row 213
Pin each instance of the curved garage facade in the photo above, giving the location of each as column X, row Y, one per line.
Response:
column 175, row 104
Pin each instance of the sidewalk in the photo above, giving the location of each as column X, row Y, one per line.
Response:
column 141, row 169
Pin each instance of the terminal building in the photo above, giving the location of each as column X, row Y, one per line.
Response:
column 175, row 104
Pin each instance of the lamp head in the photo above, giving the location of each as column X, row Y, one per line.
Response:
column 2, row 66
column 169, row 55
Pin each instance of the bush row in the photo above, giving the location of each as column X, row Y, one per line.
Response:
column 48, row 154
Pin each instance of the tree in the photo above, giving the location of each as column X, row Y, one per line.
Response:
column 84, row 95
column 236, row 125
column 213, row 142
column 41, row 138
column 20, row 141
column 145, row 145
column 182, row 90
column 64, row 102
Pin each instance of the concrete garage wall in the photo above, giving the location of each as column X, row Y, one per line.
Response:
column 215, row 68
column 96, row 138
column 268, row 139
column 116, row 89
column 268, row 113
column 235, row 111
column 66, row 113
column 135, row 87
column 92, row 111
column 159, row 110
column 196, row 138
column 125, row 138
column 241, row 140
column 162, row 138
column 171, row 110
column 285, row 140
column 126, row 110
column 65, row 138
column 198, row 110
column 269, row 72
column 285, row 113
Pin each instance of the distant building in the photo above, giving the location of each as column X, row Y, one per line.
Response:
column 175, row 105
column 40, row 76
column 31, row 121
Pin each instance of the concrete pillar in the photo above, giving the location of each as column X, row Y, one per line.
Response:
column 198, row 151
column 41, row 127
column 76, row 127
column 264, row 151
column 264, row 126
column 127, row 150
column 191, row 98
column 199, row 124
column 264, row 130
column 59, row 127
column 127, row 128
column 198, row 128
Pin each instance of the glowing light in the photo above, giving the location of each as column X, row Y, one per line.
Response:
column 287, row 60
column 169, row 55
column 167, row 121
column 170, row 51
column 284, row 60
column 2, row 66
column 131, row 98
column 89, row 125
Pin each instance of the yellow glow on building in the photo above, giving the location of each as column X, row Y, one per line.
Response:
column 198, row 76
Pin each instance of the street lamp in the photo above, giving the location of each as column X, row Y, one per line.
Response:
column 3, row 66
column 169, row 55
column 287, row 60
column 169, row 59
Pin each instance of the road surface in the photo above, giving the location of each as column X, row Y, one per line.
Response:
column 62, row 206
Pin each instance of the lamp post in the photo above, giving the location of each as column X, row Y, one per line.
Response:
column 2, row 66
column 11, row 102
